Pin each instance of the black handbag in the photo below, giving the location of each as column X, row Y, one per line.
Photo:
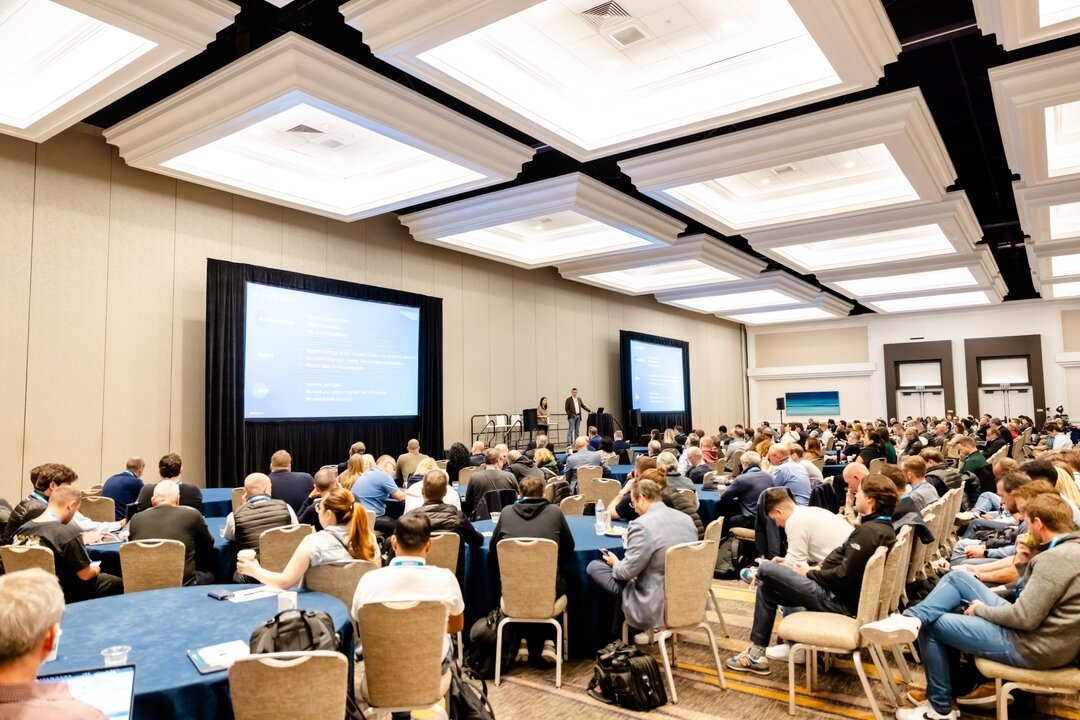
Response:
column 627, row 677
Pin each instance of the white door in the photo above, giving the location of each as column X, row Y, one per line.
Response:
column 1020, row 401
column 992, row 402
column 908, row 404
column 933, row 403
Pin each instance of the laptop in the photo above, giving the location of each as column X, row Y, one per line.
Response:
column 110, row 690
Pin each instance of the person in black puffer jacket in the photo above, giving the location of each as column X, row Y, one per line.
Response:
column 447, row 518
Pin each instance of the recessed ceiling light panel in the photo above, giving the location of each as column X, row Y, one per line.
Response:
column 822, row 307
column 298, row 125
column 942, row 301
column 876, row 153
column 550, row 222
column 595, row 78
column 768, row 290
column 1019, row 23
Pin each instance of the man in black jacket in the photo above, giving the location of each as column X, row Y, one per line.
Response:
column 832, row 586
column 445, row 517
column 534, row 517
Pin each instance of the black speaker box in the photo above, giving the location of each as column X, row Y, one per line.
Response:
column 779, row 403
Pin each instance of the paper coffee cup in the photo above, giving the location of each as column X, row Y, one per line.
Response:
column 286, row 601
column 245, row 555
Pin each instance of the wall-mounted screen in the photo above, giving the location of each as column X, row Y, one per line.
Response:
column 813, row 404
column 658, row 381
column 314, row 356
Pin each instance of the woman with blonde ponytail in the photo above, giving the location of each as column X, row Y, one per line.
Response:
column 345, row 536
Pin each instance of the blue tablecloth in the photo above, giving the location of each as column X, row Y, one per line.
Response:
column 590, row 609
column 708, row 505
column 224, row 553
column 216, row 502
column 831, row 469
column 619, row 472
column 161, row 626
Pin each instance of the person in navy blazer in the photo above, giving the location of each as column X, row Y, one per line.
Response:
column 638, row 579
column 124, row 487
column 292, row 487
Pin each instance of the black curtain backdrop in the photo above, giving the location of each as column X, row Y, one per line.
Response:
column 235, row 448
column 651, row 420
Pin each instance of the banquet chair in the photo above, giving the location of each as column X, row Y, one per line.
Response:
column 613, row 460
column 445, row 548
column 528, row 568
column 441, row 464
column 339, row 580
column 24, row 557
column 370, row 519
column 835, row 633
column 586, row 476
column 464, row 474
column 93, row 490
column 237, row 497
column 98, row 509
column 397, row 676
column 690, row 495
column 606, row 490
column 152, row 564
column 876, row 465
column 1059, row 681
column 714, row 531
column 734, row 463
column 296, row 685
column 892, row 583
column 819, row 463
column 688, row 573
column 277, row 545
column 573, row 505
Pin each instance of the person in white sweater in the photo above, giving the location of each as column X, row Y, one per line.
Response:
column 812, row 532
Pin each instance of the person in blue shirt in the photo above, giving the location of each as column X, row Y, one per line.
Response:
column 789, row 474
column 124, row 487
column 374, row 487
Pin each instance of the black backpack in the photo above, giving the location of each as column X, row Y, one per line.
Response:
column 627, row 677
column 480, row 655
column 468, row 696
column 296, row 631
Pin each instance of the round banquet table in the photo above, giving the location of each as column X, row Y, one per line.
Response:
column 161, row 626
column 216, row 502
column 224, row 553
column 708, row 505
column 590, row 609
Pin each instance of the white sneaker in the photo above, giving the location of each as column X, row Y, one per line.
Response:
column 643, row 638
column 892, row 630
column 965, row 516
column 548, row 653
column 522, row 653
column 782, row 651
column 924, row 712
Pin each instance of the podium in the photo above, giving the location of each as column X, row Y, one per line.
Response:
column 604, row 423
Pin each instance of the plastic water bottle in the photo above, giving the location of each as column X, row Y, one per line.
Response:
column 601, row 517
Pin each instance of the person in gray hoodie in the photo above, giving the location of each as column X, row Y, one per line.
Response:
column 1040, row 629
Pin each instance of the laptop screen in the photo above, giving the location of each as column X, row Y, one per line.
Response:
column 110, row 690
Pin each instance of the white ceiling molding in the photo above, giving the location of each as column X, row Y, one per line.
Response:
column 937, row 229
column 692, row 260
column 880, row 278
column 803, row 372
column 1019, row 23
column 554, row 221
column 74, row 57
column 1055, row 262
column 770, row 55
column 875, row 153
column 1037, row 103
column 1049, row 213
column 821, row 307
column 295, row 124
column 770, row 290
column 957, row 298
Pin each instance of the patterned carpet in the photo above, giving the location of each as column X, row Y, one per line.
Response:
column 529, row 693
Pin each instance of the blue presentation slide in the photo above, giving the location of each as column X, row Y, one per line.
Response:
column 813, row 403
column 656, row 381
column 319, row 356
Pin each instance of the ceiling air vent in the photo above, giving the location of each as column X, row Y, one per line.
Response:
column 331, row 143
column 304, row 130
column 605, row 15
column 783, row 169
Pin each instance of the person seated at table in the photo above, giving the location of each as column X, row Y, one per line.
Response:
column 408, row 462
column 257, row 513
column 408, row 579
column 534, row 517
column 521, row 467
column 357, row 448
column 581, row 457
column 668, row 464
column 168, row 521
column 445, row 516
column 171, row 467
column 607, row 450
column 476, row 456
column 798, row 456
column 356, row 466
column 44, row 479
column 813, row 450
column 921, row 493
column 124, row 487
column 832, row 586
column 492, row 477
column 374, row 487
column 325, row 480
column 788, row 473
column 698, row 467
column 545, row 460
column 739, row 443
column 739, row 501
column 1037, row 627
column 637, row 581
column 621, row 508
column 31, row 607
column 415, row 496
column 417, row 476
column 51, row 529
column 345, row 537
column 292, row 487
column 619, row 443
column 812, row 532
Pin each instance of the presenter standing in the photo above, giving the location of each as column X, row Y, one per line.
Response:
column 574, row 406
column 542, row 415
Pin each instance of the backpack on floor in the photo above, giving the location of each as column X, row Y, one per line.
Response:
column 468, row 696
column 296, row 631
column 627, row 677
column 480, row 655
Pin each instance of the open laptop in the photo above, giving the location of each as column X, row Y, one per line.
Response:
column 110, row 690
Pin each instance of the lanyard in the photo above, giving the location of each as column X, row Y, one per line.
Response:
column 407, row 562
column 40, row 497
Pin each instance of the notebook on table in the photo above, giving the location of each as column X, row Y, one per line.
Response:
column 111, row 690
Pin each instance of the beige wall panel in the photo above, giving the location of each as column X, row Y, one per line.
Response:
column 67, row 303
column 346, row 250
column 256, row 232
column 502, row 363
column 477, row 362
column 139, row 329
column 812, row 347
column 418, row 267
column 384, row 257
column 545, row 338
column 1070, row 330
column 523, row 341
column 303, row 242
column 447, row 268
column 581, row 364
column 203, row 230
column 566, row 350
column 16, row 244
